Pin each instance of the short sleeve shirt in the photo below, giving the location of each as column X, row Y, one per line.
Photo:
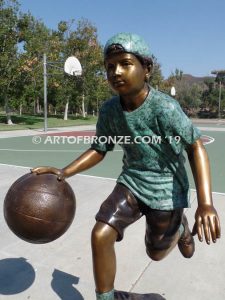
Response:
column 153, row 138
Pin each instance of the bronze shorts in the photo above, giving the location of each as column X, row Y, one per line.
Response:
column 121, row 209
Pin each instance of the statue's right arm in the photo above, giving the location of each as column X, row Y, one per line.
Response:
column 88, row 159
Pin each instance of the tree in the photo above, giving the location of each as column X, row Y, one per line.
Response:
column 22, row 43
column 210, row 96
column 82, row 42
column 9, row 38
column 24, row 40
column 156, row 79
column 36, row 41
column 189, row 96
column 178, row 74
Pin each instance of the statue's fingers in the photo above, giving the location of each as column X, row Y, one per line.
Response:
column 34, row 170
column 212, row 227
column 206, row 228
column 60, row 176
column 218, row 228
column 199, row 229
column 37, row 170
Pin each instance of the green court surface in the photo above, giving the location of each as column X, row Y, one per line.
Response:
column 59, row 151
column 55, row 150
column 63, row 268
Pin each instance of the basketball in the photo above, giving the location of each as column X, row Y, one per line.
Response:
column 39, row 208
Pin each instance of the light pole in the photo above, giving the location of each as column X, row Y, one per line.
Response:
column 45, row 75
column 220, row 74
column 45, row 94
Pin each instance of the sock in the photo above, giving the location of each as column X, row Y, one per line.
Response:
column 105, row 296
column 181, row 229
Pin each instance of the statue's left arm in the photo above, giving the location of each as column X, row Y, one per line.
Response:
column 206, row 218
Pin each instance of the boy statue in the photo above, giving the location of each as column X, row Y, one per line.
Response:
column 153, row 132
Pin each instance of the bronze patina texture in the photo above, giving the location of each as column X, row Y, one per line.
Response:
column 39, row 208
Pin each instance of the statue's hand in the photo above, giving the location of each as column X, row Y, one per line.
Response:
column 207, row 221
column 48, row 170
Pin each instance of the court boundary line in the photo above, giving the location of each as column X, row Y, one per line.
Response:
column 47, row 150
column 40, row 150
column 211, row 139
column 92, row 176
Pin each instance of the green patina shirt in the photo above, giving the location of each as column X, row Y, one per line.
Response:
column 153, row 138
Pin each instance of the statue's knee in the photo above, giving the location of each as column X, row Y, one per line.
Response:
column 157, row 249
column 97, row 236
column 155, row 255
column 103, row 235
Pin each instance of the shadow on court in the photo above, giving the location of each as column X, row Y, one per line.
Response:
column 16, row 275
column 63, row 285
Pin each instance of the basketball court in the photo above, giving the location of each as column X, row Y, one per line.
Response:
column 63, row 269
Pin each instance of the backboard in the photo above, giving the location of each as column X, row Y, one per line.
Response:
column 72, row 66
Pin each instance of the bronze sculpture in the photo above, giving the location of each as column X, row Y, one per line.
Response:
column 39, row 209
column 153, row 181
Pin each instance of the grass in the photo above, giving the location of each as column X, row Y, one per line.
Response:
column 36, row 122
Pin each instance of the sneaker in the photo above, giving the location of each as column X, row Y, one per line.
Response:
column 122, row 295
column 186, row 243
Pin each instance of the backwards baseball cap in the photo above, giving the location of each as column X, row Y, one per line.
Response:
column 132, row 43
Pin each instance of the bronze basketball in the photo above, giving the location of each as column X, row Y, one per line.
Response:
column 39, row 208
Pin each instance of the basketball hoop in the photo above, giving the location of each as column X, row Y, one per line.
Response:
column 72, row 66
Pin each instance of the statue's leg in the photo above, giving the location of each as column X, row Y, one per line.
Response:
column 163, row 231
column 117, row 212
column 104, row 258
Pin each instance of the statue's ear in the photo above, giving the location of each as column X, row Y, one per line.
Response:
column 149, row 69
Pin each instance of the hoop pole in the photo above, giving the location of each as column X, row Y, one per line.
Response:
column 45, row 94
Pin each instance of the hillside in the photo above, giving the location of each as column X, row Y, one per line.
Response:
column 189, row 79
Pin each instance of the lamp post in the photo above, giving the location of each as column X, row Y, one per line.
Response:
column 45, row 94
column 45, row 75
column 220, row 74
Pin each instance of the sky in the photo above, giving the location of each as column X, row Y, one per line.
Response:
column 184, row 34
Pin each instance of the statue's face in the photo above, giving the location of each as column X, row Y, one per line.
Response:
column 125, row 73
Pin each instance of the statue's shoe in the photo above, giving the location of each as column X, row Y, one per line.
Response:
column 186, row 243
column 122, row 295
